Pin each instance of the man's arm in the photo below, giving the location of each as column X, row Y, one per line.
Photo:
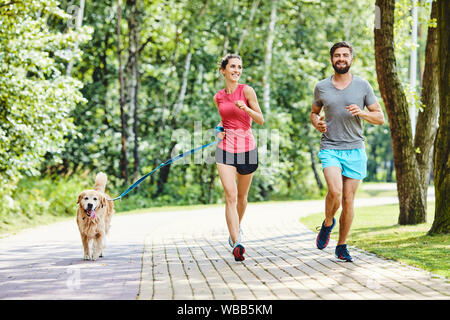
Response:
column 316, row 119
column 373, row 115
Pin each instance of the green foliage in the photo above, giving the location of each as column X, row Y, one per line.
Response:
column 169, row 29
column 403, row 44
column 37, row 199
column 36, row 96
column 90, row 127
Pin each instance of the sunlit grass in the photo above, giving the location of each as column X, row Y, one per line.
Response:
column 376, row 229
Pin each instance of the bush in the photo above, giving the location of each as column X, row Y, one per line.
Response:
column 39, row 197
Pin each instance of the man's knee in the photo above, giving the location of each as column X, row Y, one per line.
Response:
column 334, row 193
column 348, row 199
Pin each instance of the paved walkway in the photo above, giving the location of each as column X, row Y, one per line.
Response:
column 185, row 255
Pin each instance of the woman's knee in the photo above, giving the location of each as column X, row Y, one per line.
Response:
column 231, row 197
column 242, row 199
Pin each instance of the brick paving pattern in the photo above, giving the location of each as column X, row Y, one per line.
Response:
column 185, row 255
column 191, row 259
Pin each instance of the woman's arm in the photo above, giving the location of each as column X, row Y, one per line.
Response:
column 253, row 109
column 220, row 135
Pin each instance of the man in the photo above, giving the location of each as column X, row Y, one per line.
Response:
column 343, row 97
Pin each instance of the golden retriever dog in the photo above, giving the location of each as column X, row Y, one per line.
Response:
column 94, row 214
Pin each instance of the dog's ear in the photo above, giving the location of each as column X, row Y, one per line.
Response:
column 103, row 200
column 80, row 196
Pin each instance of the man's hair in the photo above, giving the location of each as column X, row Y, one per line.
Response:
column 224, row 61
column 341, row 44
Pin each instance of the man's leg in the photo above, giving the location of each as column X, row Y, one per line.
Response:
column 333, row 177
column 348, row 196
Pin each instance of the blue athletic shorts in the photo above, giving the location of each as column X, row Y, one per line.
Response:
column 353, row 162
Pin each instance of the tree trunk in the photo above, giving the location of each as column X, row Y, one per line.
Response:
column 250, row 19
column 372, row 167
column 212, row 178
column 426, row 126
column 226, row 39
column 78, row 23
column 441, row 223
column 165, row 171
column 182, row 95
column 133, row 27
column 268, row 58
column 314, row 168
column 123, row 117
column 390, row 171
column 412, row 206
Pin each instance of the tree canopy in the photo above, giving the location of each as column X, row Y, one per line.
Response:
column 142, row 78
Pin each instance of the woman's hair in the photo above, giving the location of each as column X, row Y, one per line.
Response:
column 224, row 61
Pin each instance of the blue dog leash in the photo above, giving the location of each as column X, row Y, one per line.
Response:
column 182, row 155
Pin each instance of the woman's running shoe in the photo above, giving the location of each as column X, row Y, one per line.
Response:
column 238, row 252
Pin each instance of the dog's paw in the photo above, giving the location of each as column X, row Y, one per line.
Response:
column 87, row 257
column 95, row 256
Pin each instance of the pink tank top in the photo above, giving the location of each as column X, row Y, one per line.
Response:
column 236, row 122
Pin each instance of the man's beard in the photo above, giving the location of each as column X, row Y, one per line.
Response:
column 341, row 70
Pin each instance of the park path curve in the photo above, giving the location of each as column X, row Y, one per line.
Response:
column 185, row 255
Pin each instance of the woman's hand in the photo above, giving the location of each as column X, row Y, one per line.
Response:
column 220, row 131
column 240, row 104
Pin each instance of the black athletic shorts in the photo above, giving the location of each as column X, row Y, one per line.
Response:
column 245, row 162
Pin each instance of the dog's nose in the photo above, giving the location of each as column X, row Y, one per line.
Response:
column 89, row 206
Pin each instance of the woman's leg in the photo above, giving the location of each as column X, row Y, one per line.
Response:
column 243, row 185
column 227, row 176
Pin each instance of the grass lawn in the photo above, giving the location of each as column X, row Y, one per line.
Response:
column 13, row 224
column 375, row 229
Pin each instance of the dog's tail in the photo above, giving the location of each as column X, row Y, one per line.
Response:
column 100, row 182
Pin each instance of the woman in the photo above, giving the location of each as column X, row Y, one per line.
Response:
column 236, row 153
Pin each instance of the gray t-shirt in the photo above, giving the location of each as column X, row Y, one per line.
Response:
column 344, row 131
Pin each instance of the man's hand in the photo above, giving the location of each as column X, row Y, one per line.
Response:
column 354, row 110
column 321, row 125
column 374, row 115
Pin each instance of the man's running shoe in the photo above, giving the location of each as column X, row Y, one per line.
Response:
column 238, row 252
column 342, row 253
column 324, row 235
column 230, row 242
